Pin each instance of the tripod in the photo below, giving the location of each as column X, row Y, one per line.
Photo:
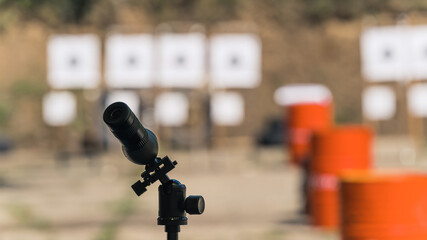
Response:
column 140, row 147
column 173, row 205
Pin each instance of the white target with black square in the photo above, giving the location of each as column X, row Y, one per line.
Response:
column 181, row 62
column 417, row 48
column 235, row 61
column 129, row 61
column 385, row 54
column 73, row 61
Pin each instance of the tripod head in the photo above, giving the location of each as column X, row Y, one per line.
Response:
column 140, row 146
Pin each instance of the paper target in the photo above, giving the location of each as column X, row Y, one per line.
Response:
column 171, row 109
column 181, row 60
column 129, row 61
column 73, row 61
column 417, row 45
column 235, row 61
column 384, row 54
column 129, row 97
column 302, row 93
column 379, row 103
column 59, row 108
column 227, row 109
column 417, row 100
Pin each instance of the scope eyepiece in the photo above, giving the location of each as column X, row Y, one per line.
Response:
column 139, row 144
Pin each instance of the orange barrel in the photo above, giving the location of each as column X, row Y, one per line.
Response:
column 333, row 152
column 383, row 206
column 303, row 120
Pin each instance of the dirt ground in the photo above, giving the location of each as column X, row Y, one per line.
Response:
column 250, row 194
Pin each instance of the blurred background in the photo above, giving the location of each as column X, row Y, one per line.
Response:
column 62, row 174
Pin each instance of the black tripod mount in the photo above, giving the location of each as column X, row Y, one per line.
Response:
column 173, row 205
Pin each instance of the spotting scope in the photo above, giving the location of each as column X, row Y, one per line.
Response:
column 138, row 143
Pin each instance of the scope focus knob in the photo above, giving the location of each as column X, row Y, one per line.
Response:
column 194, row 204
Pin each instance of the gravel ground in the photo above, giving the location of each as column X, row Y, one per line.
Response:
column 249, row 195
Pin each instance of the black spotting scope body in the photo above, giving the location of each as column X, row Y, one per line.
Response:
column 139, row 144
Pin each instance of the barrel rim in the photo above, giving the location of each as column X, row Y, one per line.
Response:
column 376, row 176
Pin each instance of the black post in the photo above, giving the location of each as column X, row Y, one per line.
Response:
column 172, row 236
